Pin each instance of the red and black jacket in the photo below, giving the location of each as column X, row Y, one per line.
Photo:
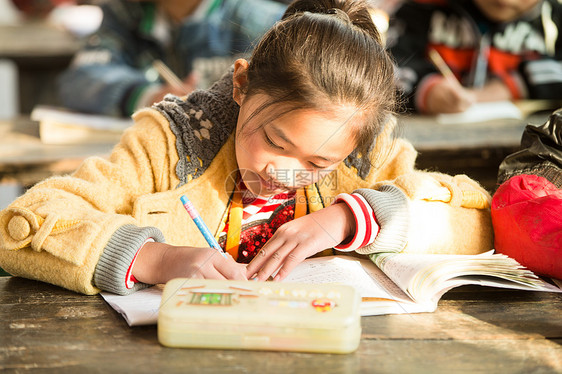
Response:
column 526, row 54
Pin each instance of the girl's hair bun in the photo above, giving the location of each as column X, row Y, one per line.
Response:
column 354, row 12
column 335, row 12
column 312, row 6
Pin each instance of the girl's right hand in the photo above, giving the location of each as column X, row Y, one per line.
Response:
column 157, row 263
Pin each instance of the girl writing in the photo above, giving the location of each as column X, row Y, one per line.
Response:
column 289, row 154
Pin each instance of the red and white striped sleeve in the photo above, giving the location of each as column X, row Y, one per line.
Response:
column 367, row 227
column 130, row 279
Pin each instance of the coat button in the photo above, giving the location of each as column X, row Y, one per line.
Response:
column 18, row 228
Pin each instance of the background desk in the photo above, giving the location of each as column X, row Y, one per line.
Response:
column 23, row 157
column 475, row 149
column 474, row 330
column 24, row 160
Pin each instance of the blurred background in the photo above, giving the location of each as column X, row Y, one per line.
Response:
column 38, row 39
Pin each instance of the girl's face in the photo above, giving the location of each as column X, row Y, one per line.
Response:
column 504, row 10
column 278, row 154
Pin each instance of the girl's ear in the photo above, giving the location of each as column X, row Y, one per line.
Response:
column 239, row 80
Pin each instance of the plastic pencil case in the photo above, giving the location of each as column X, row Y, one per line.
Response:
column 204, row 313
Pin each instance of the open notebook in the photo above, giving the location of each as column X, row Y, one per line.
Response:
column 390, row 283
column 482, row 112
column 498, row 110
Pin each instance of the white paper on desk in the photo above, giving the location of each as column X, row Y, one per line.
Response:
column 482, row 112
column 139, row 308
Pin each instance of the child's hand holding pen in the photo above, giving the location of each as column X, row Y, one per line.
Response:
column 157, row 263
column 447, row 95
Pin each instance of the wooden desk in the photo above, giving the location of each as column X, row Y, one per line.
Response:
column 475, row 149
column 475, row 329
column 427, row 135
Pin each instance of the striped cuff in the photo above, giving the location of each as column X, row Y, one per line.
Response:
column 391, row 207
column 366, row 227
column 118, row 256
column 130, row 279
column 420, row 98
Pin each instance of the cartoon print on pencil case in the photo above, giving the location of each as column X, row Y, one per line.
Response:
column 201, row 295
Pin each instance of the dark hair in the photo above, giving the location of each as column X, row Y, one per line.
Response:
column 325, row 53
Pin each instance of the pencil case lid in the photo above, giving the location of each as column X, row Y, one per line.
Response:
column 224, row 302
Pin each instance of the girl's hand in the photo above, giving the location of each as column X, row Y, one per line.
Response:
column 302, row 238
column 158, row 263
column 448, row 97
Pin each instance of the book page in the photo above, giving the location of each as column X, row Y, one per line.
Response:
column 427, row 277
column 482, row 112
column 379, row 294
column 350, row 271
column 63, row 126
column 402, row 268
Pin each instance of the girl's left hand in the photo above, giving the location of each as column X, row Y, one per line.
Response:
column 302, row 238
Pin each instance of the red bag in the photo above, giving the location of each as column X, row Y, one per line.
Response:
column 527, row 219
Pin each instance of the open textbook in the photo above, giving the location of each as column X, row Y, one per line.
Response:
column 389, row 283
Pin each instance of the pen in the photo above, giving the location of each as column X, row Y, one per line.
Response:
column 441, row 65
column 168, row 75
column 188, row 205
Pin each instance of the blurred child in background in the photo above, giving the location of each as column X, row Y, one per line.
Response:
column 497, row 49
column 113, row 74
